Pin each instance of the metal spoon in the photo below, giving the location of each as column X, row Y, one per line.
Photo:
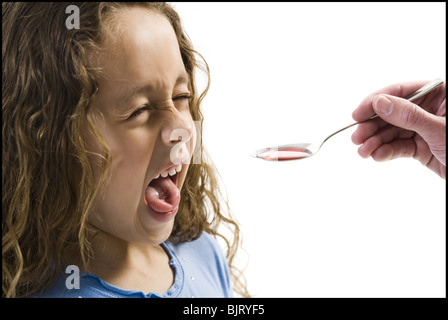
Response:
column 306, row 150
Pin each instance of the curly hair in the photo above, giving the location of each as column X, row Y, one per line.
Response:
column 49, row 187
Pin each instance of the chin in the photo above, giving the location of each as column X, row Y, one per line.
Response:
column 156, row 236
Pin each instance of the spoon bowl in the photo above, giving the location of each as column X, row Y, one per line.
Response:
column 287, row 152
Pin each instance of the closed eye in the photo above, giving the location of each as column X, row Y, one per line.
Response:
column 139, row 111
column 147, row 108
column 182, row 97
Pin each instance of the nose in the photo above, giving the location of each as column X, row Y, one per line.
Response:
column 179, row 135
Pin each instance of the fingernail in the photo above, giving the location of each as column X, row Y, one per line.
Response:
column 382, row 105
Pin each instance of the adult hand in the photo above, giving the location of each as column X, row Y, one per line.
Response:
column 404, row 129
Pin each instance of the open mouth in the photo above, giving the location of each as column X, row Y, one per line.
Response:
column 162, row 194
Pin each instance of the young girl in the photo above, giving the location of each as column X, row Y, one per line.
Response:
column 99, row 195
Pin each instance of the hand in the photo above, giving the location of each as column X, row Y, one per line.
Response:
column 403, row 128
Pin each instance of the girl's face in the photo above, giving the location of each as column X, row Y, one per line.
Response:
column 142, row 108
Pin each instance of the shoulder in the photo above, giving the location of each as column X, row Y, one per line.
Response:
column 203, row 260
column 75, row 284
column 65, row 286
column 205, row 249
column 205, row 242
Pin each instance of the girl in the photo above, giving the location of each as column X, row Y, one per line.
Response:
column 98, row 135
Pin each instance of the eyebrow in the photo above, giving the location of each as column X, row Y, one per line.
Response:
column 134, row 91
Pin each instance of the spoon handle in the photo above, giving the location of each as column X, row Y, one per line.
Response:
column 431, row 85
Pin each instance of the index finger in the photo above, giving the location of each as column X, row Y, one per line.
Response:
column 365, row 109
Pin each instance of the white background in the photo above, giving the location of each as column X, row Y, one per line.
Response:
column 334, row 225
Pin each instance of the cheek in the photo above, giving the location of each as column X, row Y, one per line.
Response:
column 131, row 153
column 129, row 150
column 121, row 194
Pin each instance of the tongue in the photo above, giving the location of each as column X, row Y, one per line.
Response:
column 162, row 195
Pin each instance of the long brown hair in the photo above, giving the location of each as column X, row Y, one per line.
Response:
column 49, row 186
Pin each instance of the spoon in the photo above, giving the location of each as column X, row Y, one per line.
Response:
column 306, row 150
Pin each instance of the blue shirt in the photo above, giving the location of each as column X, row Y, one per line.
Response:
column 200, row 270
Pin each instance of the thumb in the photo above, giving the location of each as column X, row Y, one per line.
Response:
column 405, row 114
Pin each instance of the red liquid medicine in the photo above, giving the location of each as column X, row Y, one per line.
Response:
column 284, row 153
